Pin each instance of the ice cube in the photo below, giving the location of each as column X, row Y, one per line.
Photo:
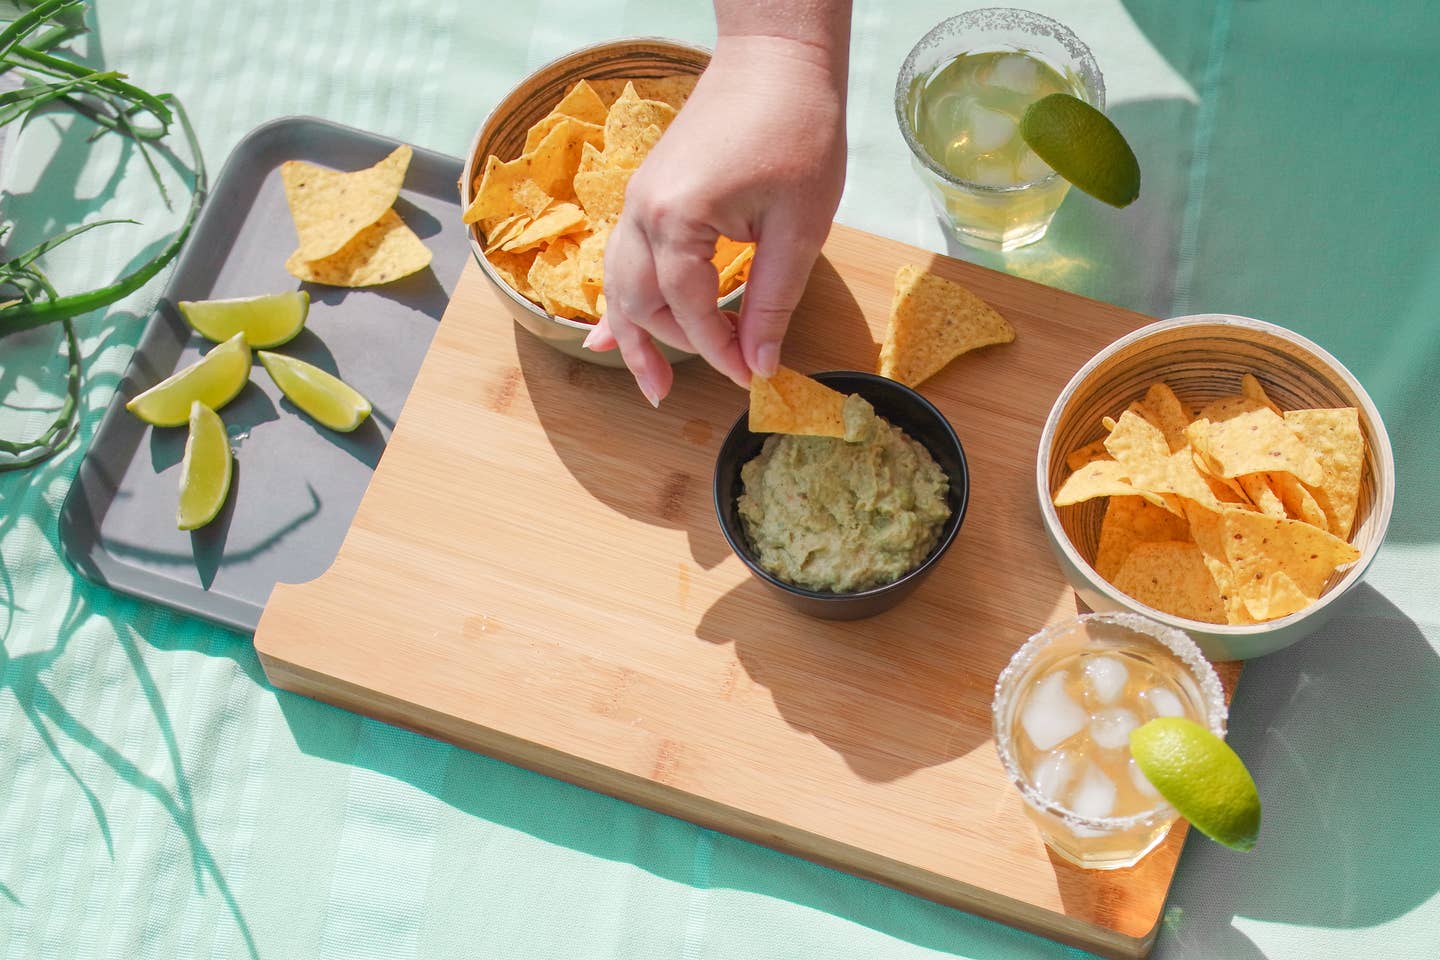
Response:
column 1052, row 715
column 1159, row 702
column 991, row 171
column 951, row 111
column 1142, row 783
column 1016, row 72
column 1094, row 795
column 1110, row 728
column 1053, row 773
column 1030, row 167
column 990, row 129
column 1105, row 679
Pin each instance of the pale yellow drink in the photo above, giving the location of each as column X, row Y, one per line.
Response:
column 1064, row 710
column 960, row 97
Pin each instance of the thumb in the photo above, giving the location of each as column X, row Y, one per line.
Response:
column 777, row 280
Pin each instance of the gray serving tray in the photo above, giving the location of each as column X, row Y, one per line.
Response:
column 296, row 484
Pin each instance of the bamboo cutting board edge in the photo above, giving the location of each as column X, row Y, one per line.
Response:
column 725, row 819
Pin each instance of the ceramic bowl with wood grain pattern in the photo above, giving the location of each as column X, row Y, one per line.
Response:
column 1202, row 358
column 902, row 407
column 503, row 134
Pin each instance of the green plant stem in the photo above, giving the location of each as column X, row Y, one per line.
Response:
column 26, row 316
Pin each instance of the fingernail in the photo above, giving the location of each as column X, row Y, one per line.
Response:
column 590, row 337
column 767, row 359
column 651, row 394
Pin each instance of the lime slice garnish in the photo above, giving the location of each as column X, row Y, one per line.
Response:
column 1201, row 777
column 1083, row 146
column 325, row 397
column 205, row 471
column 213, row 380
column 266, row 321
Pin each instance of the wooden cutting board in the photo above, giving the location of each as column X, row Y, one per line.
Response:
column 536, row 573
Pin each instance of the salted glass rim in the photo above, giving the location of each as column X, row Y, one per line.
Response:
column 994, row 20
column 1179, row 643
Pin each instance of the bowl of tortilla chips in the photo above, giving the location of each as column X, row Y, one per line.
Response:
column 1220, row 474
column 545, row 178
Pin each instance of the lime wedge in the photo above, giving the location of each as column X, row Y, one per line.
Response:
column 1083, row 146
column 213, row 380
column 266, row 321
column 325, row 397
column 1201, row 777
column 205, row 471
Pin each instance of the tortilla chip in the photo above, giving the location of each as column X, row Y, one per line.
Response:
column 1208, row 533
column 514, row 269
column 791, row 402
column 1130, row 521
column 628, row 150
column 727, row 250
column 1274, row 596
column 1299, row 502
column 330, row 207
column 555, row 276
column 1172, row 576
column 1141, row 446
column 505, row 230
column 1094, row 450
column 581, row 103
column 384, row 251
column 602, row 192
column 673, row 90
column 1262, row 494
column 1256, row 546
column 1335, row 437
column 1162, row 408
column 551, row 166
column 591, row 159
column 1239, row 435
column 933, row 321
column 592, row 256
column 737, row 271
column 558, row 221
column 1251, row 388
column 1098, row 478
column 630, row 116
column 591, row 132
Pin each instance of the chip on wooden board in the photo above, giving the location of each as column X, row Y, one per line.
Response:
column 384, row 251
column 330, row 207
column 933, row 321
column 791, row 402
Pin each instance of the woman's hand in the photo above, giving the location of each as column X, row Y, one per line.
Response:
column 757, row 154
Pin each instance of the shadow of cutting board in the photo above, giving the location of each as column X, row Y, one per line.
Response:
column 536, row 573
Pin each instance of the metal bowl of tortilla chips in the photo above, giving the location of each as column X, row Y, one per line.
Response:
column 545, row 179
column 1220, row 474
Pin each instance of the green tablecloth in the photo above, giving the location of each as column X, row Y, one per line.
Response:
column 159, row 799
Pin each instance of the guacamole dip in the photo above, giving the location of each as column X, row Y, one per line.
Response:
column 843, row 515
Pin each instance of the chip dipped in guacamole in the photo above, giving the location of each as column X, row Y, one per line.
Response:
column 844, row 514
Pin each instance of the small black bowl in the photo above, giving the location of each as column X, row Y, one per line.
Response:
column 905, row 409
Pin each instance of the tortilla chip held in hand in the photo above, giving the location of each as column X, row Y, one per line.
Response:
column 933, row 321
column 791, row 402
